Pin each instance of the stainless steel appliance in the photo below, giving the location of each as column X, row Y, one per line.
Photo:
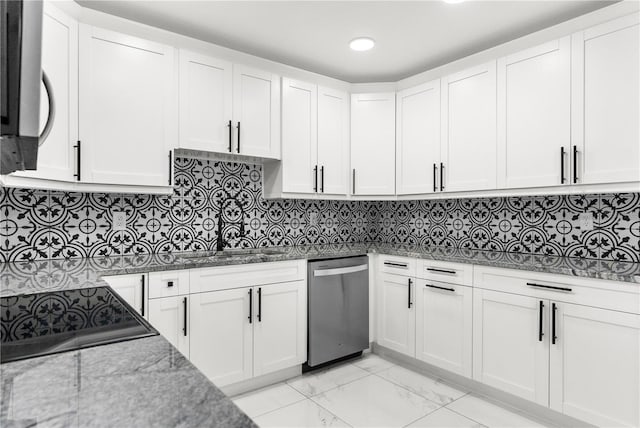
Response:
column 338, row 309
column 20, row 76
column 60, row 321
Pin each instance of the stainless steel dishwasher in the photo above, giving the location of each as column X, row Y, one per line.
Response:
column 338, row 309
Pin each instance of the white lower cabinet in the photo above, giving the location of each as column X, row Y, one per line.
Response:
column 132, row 289
column 510, row 351
column 221, row 335
column 595, row 365
column 279, row 327
column 396, row 314
column 443, row 325
column 170, row 316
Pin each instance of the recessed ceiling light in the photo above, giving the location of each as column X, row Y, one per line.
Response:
column 453, row 1
column 361, row 44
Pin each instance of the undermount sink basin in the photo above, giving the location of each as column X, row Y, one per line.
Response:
column 235, row 253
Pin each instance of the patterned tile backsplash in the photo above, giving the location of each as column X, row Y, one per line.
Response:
column 49, row 224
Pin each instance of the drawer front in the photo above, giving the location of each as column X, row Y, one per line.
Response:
column 614, row 295
column 248, row 275
column 169, row 283
column 453, row 273
column 405, row 266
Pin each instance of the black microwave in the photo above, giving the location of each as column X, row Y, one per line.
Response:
column 20, row 77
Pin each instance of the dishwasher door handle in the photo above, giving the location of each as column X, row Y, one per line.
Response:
column 340, row 271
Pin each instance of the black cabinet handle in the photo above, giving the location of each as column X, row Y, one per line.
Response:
column 440, row 288
column 409, row 295
column 260, row 304
column 238, row 128
column 169, row 283
column 553, row 323
column 170, row 167
column 230, row 136
column 435, row 171
column 322, row 179
column 353, row 182
column 441, row 176
column 452, row 272
column 401, row 265
column 315, row 180
column 78, row 161
column 548, row 287
column 540, row 333
column 250, row 305
column 575, row 164
column 184, row 304
column 562, row 179
column 142, row 306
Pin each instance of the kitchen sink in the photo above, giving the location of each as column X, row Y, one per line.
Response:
column 234, row 253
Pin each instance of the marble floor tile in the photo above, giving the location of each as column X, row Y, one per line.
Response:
column 427, row 387
column 301, row 414
column 316, row 382
column 375, row 402
column 373, row 363
column 490, row 414
column 445, row 418
column 256, row 403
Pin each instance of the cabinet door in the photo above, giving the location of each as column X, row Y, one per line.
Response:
column 280, row 326
column 299, row 136
column 396, row 314
column 127, row 122
column 256, row 112
column 56, row 160
column 469, row 129
column 333, row 141
column 373, row 135
column 205, row 103
column 508, row 351
column 606, row 101
column 221, row 336
column 418, row 139
column 595, row 365
column 169, row 315
column 444, row 325
column 534, row 116
column 132, row 289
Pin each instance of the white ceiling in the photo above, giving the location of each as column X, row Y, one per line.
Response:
column 411, row 36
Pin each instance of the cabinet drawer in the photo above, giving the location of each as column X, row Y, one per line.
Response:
column 170, row 283
column 615, row 295
column 398, row 265
column 246, row 275
column 453, row 273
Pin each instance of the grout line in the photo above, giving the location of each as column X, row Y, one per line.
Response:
column 461, row 414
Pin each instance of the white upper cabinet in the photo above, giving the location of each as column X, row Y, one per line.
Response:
column 228, row 108
column 373, row 124
column 333, row 141
column 418, row 139
column 469, row 130
column 534, row 116
column 606, row 102
column 205, row 103
column 56, row 160
column 256, row 112
column 126, row 108
column 299, row 136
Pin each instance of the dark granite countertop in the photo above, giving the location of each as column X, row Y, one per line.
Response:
column 143, row 382
column 37, row 276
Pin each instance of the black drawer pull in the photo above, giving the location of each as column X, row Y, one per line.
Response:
column 401, row 265
column 260, row 304
column 409, row 298
column 143, row 296
column 184, row 303
column 540, row 333
column 549, row 287
column 250, row 305
column 440, row 288
column 169, row 283
column 451, row 272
